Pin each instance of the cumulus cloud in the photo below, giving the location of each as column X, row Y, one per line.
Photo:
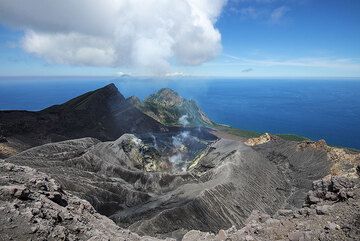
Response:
column 148, row 34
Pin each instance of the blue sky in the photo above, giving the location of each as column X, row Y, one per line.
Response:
column 259, row 38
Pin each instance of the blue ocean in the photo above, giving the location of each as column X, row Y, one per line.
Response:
column 318, row 109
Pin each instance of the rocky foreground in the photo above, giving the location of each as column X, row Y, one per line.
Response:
column 33, row 206
column 229, row 191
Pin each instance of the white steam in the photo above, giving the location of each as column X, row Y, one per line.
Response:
column 136, row 141
column 178, row 140
column 135, row 33
column 179, row 144
column 154, row 141
column 183, row 120
column 176, row 159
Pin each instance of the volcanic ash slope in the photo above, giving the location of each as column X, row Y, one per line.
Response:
column 224, row 184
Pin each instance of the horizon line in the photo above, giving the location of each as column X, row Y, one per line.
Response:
column 178, row 77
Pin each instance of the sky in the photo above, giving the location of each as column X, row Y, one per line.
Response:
column 233, row 38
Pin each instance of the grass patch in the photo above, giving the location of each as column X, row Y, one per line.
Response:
column 236, row 132
column 252, row 134
column 291, row 137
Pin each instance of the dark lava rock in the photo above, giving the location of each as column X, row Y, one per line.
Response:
column 38, row 219
column 3, row 139
column 338, row 183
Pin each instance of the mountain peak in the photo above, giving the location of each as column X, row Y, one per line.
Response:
column 109, row 87
column 167, row 91
column 167, row 106
column 135, row 101
column 97, row 99
column 166, row 97
column 108, row 91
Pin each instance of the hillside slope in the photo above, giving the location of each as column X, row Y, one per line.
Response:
column 169, row 108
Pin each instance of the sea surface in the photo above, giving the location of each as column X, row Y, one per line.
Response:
column 318, row 109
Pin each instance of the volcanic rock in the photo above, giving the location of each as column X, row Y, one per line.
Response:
column 259, row 140
column 340, row 223
column 38, row 217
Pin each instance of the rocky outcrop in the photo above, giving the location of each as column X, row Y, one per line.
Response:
column 259, row 140
column 300, row 167
column 335, row 218
column 3, row 139
column 33, row 206
column 11, row 147
column 344, row 162
column 7, row 150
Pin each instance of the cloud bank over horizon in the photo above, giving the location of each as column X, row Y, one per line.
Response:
column 150, row 34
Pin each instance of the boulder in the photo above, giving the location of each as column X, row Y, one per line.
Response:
column 323, row 210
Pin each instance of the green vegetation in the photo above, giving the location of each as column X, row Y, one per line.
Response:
column 236, row 132
column 291, row 137
column 352, row 149
column 252, row 134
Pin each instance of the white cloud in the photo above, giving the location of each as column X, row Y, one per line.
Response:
column 71, row 48
column 278, row 13
column 250, row 12
column 148, row 34
column 122, row 74
column 175, row 74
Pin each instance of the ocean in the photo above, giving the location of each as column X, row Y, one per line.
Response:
column 315, row 108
